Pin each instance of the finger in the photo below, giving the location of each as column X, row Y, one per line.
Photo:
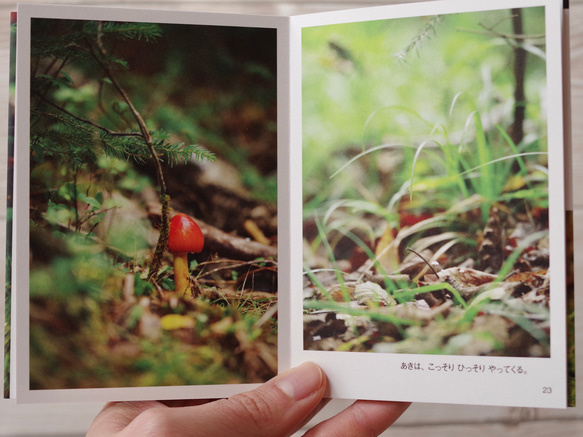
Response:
column 116, row 416
column 363, row 418
column 314, row 412
column 276, row 408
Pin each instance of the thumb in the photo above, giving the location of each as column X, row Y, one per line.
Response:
column 276, row 408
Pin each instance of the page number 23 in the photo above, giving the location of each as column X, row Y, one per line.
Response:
column 547, row 390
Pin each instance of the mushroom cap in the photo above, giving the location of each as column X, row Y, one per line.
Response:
column 185, row 235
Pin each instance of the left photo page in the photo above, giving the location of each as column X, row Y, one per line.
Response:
column 145, row 204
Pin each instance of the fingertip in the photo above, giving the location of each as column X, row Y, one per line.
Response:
column 116, row 416
column 363, row 417
column 302, row 381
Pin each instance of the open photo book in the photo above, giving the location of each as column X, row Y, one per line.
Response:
column 199, row 201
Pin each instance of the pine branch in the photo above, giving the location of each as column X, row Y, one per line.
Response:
column 67, row 139
column 74, row 138
column 424, row 34
column 178, row 153
column 165, row 225
column 141, row 123
column 89, row 122
column 146, row 31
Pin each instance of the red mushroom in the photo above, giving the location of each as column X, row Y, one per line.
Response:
column 185, row 237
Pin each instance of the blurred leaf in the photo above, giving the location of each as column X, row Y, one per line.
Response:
column 171, row 322
column 387, row 251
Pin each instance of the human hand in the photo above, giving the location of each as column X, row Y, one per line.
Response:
column 279, row 407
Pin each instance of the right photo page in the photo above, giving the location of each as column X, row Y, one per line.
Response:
column 426, row 186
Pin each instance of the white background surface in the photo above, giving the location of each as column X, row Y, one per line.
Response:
column 421, row 419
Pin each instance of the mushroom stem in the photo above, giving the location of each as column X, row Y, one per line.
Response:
column 181, row 273
column 185, row 237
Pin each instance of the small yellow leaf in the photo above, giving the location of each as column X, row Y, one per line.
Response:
column 514, row 183
column 387, row 251
column 171, row 322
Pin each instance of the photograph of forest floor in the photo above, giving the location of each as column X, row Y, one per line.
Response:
column 459, row 310
column 137, row 129
column 426, row 199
